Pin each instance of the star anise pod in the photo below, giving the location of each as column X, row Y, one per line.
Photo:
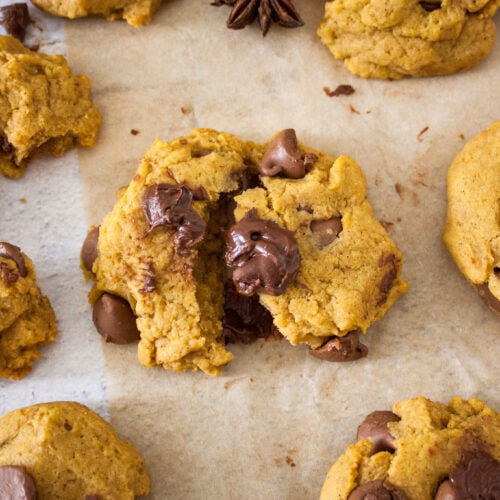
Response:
column 245, row 11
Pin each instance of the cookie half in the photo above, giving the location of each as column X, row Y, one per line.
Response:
column 44, row 108
column 472, row 227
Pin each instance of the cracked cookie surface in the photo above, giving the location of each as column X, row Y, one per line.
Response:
column 44, row 108
column 71, row 452
column 397, row 38
column 472, row 227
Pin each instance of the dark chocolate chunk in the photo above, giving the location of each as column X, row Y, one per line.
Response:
column 245, row 319
column 374, row 427
column 89, row 249
column 265, row 256
column 447, row 491
column 477, row 476
column 15, row 18
column 430, row 5
column 326, row 230
column 336, row 349
column 376, row 490
column 485, row 293
column 16, row 483
column 171, row 205
column 8, row 251
column 284, row 158
column 114, row 319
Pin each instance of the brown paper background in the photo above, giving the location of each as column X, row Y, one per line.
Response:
column 276, row 419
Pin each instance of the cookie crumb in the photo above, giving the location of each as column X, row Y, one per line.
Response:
column 339, row 90
column 421, row 133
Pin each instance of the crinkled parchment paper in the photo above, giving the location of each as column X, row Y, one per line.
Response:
column 272, row 424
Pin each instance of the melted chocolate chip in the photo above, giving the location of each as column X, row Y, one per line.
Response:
column 374, row 427
column 89, row 249
column 8, row 251
column 447, row 491
column 326, row 230
column 148, row 280
column 336, row 349
column 172, row 206
column 388, row 261
column 15, row 18
column 16, row 484
column 477, row 476
column 265, row 256
column 284, row 158
column 377, row 490
column 114, row 319
column 245, row 319
column 491, row 301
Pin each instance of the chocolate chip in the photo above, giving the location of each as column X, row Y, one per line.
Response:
column 265, row 256
column 388, row 261
column 114, row 319
column 477, row 476
column 89, row 249
column 170, row 205
column 284, row 158
column 15, row 18
column 336, row 349
column 374, row 427
column 376, row 490
column 326, row 230
column 16, row 483
column 430, row 5
column 198, row 153
column 491, row 301
column 447, row 491
column 8, row 251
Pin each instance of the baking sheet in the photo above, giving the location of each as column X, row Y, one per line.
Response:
column 276, row 419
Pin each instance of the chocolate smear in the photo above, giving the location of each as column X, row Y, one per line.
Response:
column 171, row 205
column 265, row 256
column 490, row 300
column 338, row 349
column 339, row 90
column 284, row 158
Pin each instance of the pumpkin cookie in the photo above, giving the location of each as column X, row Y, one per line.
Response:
column 27, row 321
column 397, row 38
column 472, row 228
column 135, row 12
column 63, row 450
column 422, row 450
column 44, row 109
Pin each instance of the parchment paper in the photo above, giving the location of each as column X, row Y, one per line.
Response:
column 274, row 422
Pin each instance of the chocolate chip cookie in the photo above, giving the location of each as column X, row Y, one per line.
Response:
column 393, row 39
column 44, row 108
column 158, row 258
column 472, row 228
column 63, row 450
column 135, row 12
column 27, row 320
column 421, row 450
